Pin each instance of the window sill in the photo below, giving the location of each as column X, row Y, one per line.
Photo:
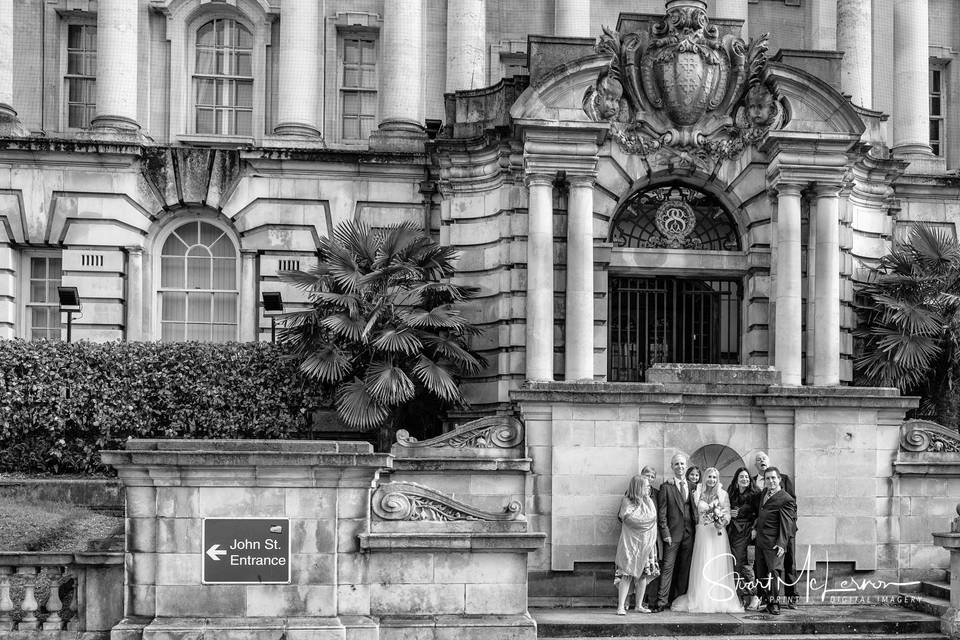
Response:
column 205, row 140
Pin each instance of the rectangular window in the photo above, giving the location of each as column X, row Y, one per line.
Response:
column 936, row 111
column 81, row 77
column 223, row 79
column 358, row 88
column 43, row 305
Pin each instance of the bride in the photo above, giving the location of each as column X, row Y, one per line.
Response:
column 712, row 588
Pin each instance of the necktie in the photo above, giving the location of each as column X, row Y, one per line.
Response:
column 766, row 496
column 683, row 489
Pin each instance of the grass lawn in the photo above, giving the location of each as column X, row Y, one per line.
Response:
column 56, row 526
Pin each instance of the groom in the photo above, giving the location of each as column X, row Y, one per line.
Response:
column 677, row 523
column 775, row 526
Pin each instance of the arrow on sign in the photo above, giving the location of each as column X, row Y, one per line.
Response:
column 215, row 552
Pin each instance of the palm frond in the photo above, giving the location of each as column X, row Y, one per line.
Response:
column 437, row 380
column 452, row 350
column 327, row 364
column 394, row 340
column 441, row 317
column 388, row 384
column 357, row 408
column 343, row 325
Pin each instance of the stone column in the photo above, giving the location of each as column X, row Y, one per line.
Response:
column 572, row 18
column 826, row 347
column 249, row 309
column 301, row 62
column 578, row 351
column 540, row 278
column 134, row 301
column 466, row 44
column 911, row 62
column 855, row 39
column 733, row 9
column 789, row 328
column 117, row 37
column 401, row 120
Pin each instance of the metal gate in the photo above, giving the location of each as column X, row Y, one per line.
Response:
column 671, row 320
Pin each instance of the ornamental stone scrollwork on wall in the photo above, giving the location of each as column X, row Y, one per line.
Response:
column 503, row 432
column 684, row 89
column 923, row 435
column 413, row 502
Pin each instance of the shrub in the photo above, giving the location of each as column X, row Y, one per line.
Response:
column 61, row 403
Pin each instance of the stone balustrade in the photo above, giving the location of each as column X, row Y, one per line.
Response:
column 56, row 596
column 950, row 620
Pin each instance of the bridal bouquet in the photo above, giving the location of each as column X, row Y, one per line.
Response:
column 716, row 514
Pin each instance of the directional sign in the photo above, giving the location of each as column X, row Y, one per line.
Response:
column 246, row 551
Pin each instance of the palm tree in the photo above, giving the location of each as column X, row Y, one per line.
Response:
column 910, row 321
column 386, row 328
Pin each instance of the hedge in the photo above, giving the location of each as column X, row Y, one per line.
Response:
column 61, row 403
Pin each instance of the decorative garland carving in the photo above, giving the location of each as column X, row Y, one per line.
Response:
column 414, row 502
column 684, row 90
column 924, row 435
column 503, row 432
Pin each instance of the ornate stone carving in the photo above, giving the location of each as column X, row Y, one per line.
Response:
column 414, row 502
column 502, row 432
column 923, row 435
column 675, row 221
column 684, row 90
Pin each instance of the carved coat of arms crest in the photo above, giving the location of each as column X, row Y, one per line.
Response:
column 683, row 88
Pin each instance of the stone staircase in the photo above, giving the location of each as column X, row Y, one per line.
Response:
column 807, row 622
column 933, row 597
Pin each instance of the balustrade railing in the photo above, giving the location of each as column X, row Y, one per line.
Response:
column 71, row 593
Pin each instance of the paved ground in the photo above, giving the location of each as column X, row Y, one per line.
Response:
column 841, row 621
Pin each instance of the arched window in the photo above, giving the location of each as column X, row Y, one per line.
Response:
column 198, row 284
column 675, row 217
column 719, row 456
column 223, row 78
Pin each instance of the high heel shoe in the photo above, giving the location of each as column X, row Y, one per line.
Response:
column 642, row 609
column 621, row 612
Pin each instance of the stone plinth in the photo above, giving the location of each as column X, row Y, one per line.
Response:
column 172, row 485
column 950, row 621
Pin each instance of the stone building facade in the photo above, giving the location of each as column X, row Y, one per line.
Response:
column 170, row 157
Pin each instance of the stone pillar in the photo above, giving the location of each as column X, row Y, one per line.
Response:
column 911, row 61
column 789, row 328
column 950, row 620
column 572, row 18
column 540, row 278
column 134, row 301
column 466, row 45
column 855, row 39
column 117, row 37
column 401, row 120
column 733, row 9
column 826, row 347
column 249, row 314
column 301, row 62
column 578, row 351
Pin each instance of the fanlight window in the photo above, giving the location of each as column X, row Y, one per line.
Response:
column 675, row 217
column 198, row 285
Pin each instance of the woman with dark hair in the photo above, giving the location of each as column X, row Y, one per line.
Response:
column 744, row 499
column 637, row 550
column 693, row 475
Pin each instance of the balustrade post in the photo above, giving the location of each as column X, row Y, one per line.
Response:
column 54, row 605
column 950, row 620
column 73, row 624
column 29, row 606
column 6, row 604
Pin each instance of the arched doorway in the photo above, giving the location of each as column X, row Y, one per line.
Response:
column 725, row 459
column 673, row 318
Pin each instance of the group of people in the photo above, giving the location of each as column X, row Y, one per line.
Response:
column 684, row 546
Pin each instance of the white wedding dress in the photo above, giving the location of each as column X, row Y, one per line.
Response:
column 712, row 587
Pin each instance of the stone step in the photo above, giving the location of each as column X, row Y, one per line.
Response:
column 805, row 620
column 936, row 589
column 926, row 604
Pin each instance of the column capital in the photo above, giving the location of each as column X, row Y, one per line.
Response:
column 539, row 179
column 582, row 179
column 787, row 188
column 827, row 189
column 134, row 249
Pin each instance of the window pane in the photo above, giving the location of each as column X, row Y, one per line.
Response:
column 223, row 333
column 244, row 123
column 223, row 248
column 224, row 273
column 351, row 103
column 219, row 27
column 206, row 61
column 935, row 105
column 208, row 235
column 52, row 295
column 170, row 332
column 38, row 267
column 351, row 77
column 189, row 233
column 174, row 246
column 54, row 268
column 75, row 36
column 75, row 90
column 244, row 94
column 205, row 35
column 38, row 291
column 198, row 307
column 225, row 307
column 351, row 128
column 206, row 91
column 75, row 62
column 205, row 121
column 369, row 79
column 368, row 53
column 351, row 51
column 198, row 273
column 244, row 37
column 172, row 273
column 198, row 332
column 244, row 65
column 174, row 305
column 368, row 104
column 367, row 125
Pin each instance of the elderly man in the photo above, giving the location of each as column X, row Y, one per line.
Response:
column 762, row 463
column 676, row 516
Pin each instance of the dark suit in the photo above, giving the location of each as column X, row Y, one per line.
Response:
column 789, row 570
column 677, row 520
column 775, row 527
column 738, row 531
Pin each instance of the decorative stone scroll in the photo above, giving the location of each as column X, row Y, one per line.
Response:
column 684, row 89
column 502, row 432
column 924, row 435
column 416, row 503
